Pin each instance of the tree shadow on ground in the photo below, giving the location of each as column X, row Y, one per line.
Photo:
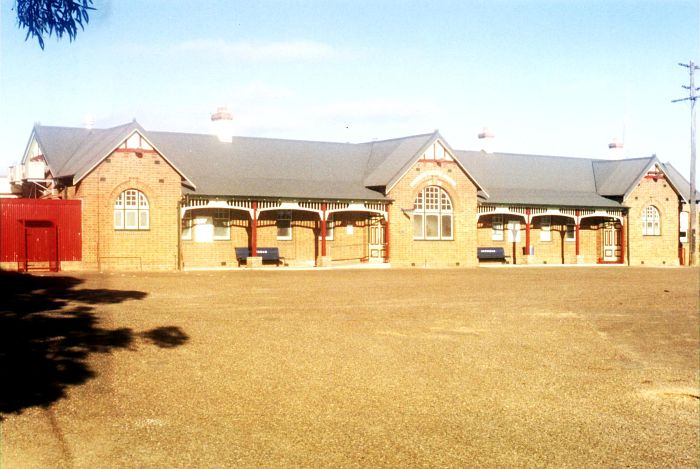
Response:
column 49, row 328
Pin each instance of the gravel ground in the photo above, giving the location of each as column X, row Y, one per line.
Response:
column 503, row 367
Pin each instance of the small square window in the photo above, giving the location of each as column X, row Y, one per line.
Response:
column 497, row 228
column 546, row 229
column 284, row 225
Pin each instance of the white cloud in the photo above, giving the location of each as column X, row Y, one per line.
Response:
column 254, row 51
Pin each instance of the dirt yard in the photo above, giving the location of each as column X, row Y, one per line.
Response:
column 508, row 367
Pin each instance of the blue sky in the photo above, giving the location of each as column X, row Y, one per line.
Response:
column 546, row 76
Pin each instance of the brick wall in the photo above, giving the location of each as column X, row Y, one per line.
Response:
column 404, row 250
column 557, row 251
column 646, row 249
column 346, row 245
column 106, row 248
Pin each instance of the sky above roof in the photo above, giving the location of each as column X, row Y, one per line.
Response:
column 553, row 77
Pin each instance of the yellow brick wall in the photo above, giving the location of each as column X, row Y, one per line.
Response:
column 485, row 235
column 545, row 252
column 404, row 250
column 302, row 250
column 105, row 248
column 558, row 250
column 653, row 250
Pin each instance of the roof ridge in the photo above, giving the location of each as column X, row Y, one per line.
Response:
column 584, row 158
column 638, row 158
column 248, row 137
column 399, row 138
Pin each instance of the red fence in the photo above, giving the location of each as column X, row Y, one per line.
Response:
column 39, row 234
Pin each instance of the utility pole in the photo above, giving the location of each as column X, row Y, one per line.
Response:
column 692, row 198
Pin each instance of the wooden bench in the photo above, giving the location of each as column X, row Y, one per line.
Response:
column 492, row 254
column 267, row 254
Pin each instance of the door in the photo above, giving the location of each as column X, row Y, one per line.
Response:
column 612, row 242
column 377, row 247
column 41, row 246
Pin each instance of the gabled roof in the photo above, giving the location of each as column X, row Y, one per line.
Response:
column 263, row 167
column 75, row 152
column 619, row 177
column 535, row 179
column 551, row 180
column 391, row 159
column 679, row 182
column 246, row 166
column 388, row 157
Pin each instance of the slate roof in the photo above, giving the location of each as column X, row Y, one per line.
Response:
column 679, row 182
column 74, row 152
column 560, row 181
column 270, row 167
column 388, row 158
column 618, row 177
column 277, row 168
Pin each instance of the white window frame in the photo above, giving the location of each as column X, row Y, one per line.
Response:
column 546, row 228
column 132, row 211
column 284, row 216
column 186, row 228
column 570, row 233
column 497, row 228
column 222, row 218
column 651, row 221
column 683, row 226
column 433, row 202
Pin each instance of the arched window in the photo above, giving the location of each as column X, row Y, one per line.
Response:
column 131, row 211
column 432, row 214
column 651, row 221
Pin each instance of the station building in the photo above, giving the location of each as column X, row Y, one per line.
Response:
column 147, row 200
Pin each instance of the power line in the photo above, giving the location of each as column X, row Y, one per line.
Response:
column 692, row 198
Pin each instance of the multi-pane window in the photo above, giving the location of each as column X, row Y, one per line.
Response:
column 497, row 228
column 205, row 226
column 187, row 222
column 432, row 214
column 222, row 224
column 131, row 211
column 284, row 225
column 570, row 234
column 546, row 229
column 651, row 222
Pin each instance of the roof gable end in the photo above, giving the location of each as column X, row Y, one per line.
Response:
column 405, row 153
column 104, row 142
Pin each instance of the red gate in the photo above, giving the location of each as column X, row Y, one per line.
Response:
column 38, row 234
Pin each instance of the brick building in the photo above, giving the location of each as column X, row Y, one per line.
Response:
column 166, row 201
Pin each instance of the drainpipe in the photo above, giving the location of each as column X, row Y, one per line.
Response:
column 625, row 216
column 179, row 235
